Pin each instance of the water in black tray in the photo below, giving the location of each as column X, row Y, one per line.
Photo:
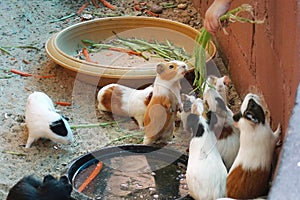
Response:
column 134, row 177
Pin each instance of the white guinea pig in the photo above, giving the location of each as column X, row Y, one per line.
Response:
column 125, row 101
column 220, row 84
column 43, row 121
column 206, row 174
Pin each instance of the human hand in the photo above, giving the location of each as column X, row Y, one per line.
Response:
column 213, row 13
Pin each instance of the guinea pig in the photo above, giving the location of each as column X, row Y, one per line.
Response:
column 30, row 188
column 227, row 134
column 43, row 121
column 187, row 102
column 159, row 119
column 125, row 101
column 206, row 173
column 220, row 84
column 197, row 107
column 249, row 175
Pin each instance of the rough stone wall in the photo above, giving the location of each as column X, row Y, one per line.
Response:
column 265, row 55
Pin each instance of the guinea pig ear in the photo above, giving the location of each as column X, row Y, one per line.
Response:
column 237, row 116
column 67, row 184
column 59, row 128
column 160, row 68
column 226, row 80
column 48, row 178
column 64, row 179
column 192, row 123
column 220, row 103
column 212, row 119
column 66, row 118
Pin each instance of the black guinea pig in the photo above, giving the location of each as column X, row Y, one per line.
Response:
column 30, row 188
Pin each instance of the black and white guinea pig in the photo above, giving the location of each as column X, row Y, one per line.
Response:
column 228, row 135
column 30, row 188
column 206, row 173
column 125, row 101
column 43, row 121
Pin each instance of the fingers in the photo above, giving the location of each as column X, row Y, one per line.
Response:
column 211, row 26
column 213, row 13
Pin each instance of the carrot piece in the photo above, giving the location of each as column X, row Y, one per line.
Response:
column 82, row 8
column 137, row 8
column 25, row 61
column 107, row 4
column 91, row 177
column 148, row 12
column 95, row 3
column 15, row 71
column 125, row 51
column 63, row 103
column 86, row 54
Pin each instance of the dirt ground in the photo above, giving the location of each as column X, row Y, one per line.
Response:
column 26, row 23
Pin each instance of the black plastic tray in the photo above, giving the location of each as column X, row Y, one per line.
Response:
column 164, row 154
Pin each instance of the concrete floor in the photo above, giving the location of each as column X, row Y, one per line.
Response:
column 286, row 185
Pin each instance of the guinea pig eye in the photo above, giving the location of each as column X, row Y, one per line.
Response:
column 171, row 66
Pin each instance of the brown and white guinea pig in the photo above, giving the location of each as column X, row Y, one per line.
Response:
column 30, row 188
column 43, row 121
column 206, row 173
column 220, row 84
column 226, row 132
column 249, row 175
column 187, row 102
column 159, row 119
column 125, row 101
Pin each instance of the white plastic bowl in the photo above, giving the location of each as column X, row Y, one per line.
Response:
column 62, row 47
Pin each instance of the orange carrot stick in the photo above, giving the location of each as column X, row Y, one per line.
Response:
column 63, row 103
column 86, row 54
column 91, row 176
column 107, row 4
column 137, row 8
column 148, row 12
column 95, row 3
column 15, row 71
column 82, row 8
column 125, row 51
column 25, row 61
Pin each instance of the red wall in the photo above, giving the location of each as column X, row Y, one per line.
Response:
column 264, row 55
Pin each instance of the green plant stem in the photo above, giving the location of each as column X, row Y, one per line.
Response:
column 5, row 51
column 231, row 12
column 7, row 76
column 124, row 137
column 103, row 124
column 202, row 43
column 169, row 5
column 14, row 153
column 63, row 18
column 166, row 51
column 3, row 48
